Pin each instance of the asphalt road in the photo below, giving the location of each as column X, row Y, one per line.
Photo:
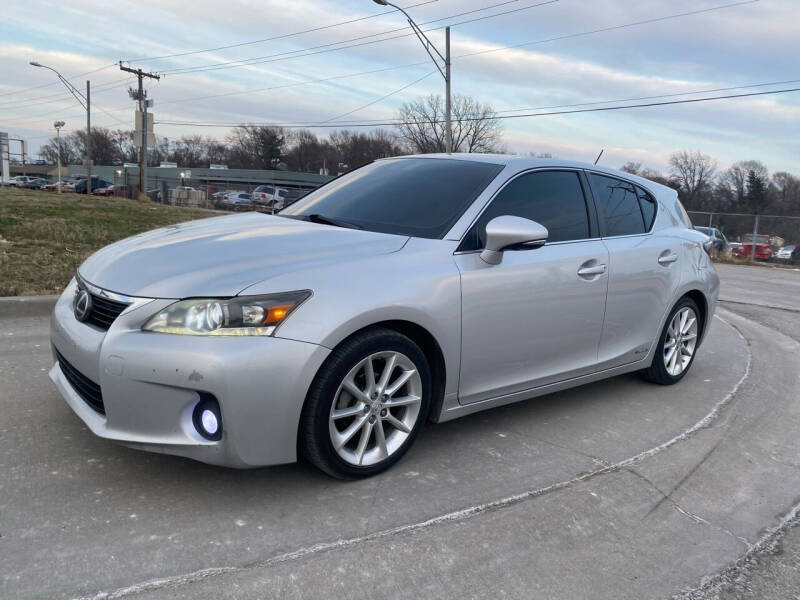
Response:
column 619, row 489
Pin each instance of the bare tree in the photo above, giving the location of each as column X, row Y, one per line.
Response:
column 70, row 153
column 693, row 173
column 253, row 147
column 787, row 192
column 476, row 127
column 634, row 168
column 735, row 178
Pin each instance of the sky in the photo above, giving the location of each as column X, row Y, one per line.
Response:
column 744, row 44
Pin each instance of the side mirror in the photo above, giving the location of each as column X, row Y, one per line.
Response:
column 507, row 232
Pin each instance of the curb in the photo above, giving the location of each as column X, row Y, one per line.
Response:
column 13, row 307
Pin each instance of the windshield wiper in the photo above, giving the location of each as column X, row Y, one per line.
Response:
column 317, row 218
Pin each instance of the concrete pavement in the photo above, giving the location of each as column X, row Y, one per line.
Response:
column 619, row 489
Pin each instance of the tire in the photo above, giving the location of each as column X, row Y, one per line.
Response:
column 341, row 403
column 663, row 370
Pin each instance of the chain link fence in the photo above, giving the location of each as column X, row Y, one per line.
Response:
column 773, row 231
column 220, row 195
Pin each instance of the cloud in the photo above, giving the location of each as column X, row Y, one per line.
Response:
column 737, row 46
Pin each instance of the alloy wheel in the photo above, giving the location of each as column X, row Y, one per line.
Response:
column 680, row 341
column 375, row 408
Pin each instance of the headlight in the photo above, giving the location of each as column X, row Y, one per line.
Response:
column 243, row 315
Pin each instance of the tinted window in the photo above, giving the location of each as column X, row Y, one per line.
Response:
column 618, row 204
column 420, row 197
column 553, row 198
column 648, row 205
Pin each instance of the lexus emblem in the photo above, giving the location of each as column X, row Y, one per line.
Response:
column 83, row 305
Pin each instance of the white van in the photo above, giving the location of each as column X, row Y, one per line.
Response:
column 271, row 196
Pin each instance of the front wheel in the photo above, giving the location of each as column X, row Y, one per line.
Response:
column 367, row 405
column 677, row 344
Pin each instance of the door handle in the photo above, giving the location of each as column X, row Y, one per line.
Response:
column 589, row 271
column 667, row 257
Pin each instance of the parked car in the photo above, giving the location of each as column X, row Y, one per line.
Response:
column 784, row 254
column 66, row 186
column 237, row 201
column 35, row 184
column 795, row 258
column 720, row 246
column 271, row 196
column 763, row 249
column 412, row 288
column 104, row 191
column 20, row 180
column 217, row 198
column 80, row 186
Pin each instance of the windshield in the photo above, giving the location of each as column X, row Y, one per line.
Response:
column 421, row 197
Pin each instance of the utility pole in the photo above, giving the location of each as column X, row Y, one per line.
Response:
column 88, row 142
column 447, row 81
column 141, row 96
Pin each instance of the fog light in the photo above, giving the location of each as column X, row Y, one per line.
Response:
column 209, row 422
column 207, row 418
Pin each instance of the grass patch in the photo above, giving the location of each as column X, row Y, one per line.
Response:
column 44, row 237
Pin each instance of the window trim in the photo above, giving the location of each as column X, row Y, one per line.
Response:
column 602, row 222
column 588, row 199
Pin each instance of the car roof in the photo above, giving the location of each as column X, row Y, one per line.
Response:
column 521, row 163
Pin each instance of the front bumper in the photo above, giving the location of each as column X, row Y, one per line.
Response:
column 150, row 383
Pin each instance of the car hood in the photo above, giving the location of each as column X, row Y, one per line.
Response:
column 222, row 256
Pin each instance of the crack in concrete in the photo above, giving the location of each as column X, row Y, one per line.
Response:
column 711, row 585
column 454, row 516
column 684, row 479
column 770, row 306
column 667, row 497
column 766, row 543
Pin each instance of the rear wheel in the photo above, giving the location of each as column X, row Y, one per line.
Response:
column 367, row 405
column 677, row 344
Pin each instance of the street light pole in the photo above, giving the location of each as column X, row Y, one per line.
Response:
column 84, row 102
column 442, row 64
column 58, row 125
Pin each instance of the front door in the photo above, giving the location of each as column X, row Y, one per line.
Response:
column 537, row 317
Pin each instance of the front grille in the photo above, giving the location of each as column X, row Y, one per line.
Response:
column 104, row 311
column 85, row 387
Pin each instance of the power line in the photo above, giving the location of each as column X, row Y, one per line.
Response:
column 389, row 95
column 325, row 48
column 611, row 28
column 672, row 95
column 567, row 36
column 295, row 84
column 390, row 123
column 278, row 37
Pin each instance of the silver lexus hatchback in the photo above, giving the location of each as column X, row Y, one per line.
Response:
column 413, row 288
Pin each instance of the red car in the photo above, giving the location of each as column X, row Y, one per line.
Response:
column 763, row 249
column 105, row 191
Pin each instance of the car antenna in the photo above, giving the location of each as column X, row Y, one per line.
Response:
column 599, row 155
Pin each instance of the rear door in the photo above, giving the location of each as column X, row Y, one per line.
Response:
column 643, row 273
column 536, row 317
